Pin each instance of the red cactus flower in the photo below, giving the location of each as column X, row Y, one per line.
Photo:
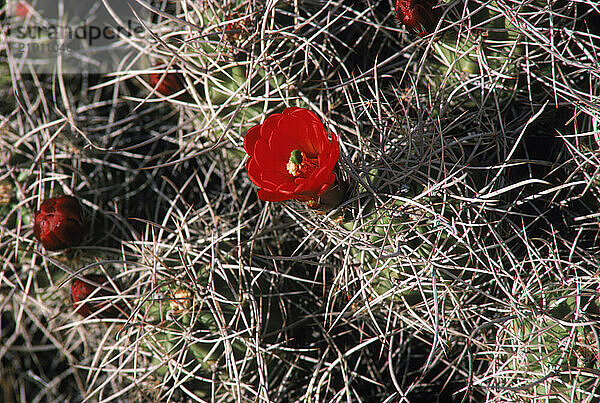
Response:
column 59, row 224
column 420, row 16
column 291, row 156
column 166, row 84
column 90, row 296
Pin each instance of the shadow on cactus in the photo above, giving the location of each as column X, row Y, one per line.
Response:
column 330, row 341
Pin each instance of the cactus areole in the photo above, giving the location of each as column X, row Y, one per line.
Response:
column 291, row 156
column 59, row 224
column 419, row 16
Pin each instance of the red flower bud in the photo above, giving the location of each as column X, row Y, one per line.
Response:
column 22, row 9
column 90, row 296
column 59, row 224
column 420, row 16
column 291, row 156
column 166, row 84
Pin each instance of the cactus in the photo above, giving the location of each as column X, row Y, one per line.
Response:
column 480, row 60
column 402, row 236
column 553, row 355
column 200, row 333
column 224, row 78
column 185, row 333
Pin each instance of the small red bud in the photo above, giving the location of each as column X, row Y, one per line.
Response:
column 22, row 9
column 96, row 288
column 59, row 224
column 170, row 84
column 419, row 16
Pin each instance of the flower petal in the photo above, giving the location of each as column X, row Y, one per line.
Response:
column 271, row 164
column 266, row 195
column 265, row 178
column 292, row 134
column 251, row 138
column 315, row 130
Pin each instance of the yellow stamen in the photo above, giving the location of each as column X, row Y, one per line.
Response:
column 300, row 164
column 293, row 169
column 294, row 165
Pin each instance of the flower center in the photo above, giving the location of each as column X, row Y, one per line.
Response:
column 300, row 164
